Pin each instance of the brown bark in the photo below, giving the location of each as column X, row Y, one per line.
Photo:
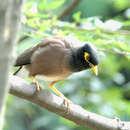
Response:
column 47, row 100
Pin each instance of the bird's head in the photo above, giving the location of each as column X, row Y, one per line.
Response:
column 85, row 57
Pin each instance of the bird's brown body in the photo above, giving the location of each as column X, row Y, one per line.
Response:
column 56, row 58
column 50, row 62
column 50, row 58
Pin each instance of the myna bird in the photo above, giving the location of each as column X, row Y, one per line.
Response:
column 55, row 58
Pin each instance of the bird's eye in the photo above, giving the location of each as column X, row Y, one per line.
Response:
column 94, row 68
column 86, row 55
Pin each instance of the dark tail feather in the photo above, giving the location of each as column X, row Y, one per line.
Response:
column 17, row 70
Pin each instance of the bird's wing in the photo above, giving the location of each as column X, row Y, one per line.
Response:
column 70, row 41
column 25, row 57
column 73, row 41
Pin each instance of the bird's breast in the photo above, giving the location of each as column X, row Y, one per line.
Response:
column 51, row 78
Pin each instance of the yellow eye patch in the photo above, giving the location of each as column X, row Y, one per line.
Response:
column 85, row 56
column 94, row 68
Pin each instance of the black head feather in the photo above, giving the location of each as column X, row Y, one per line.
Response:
column 77, row 60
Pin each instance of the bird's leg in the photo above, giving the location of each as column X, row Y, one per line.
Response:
column 36, row 82
column 61, row 95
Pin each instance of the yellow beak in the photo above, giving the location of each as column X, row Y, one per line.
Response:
column 95, row 69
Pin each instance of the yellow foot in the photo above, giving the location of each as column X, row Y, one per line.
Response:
column 37, row 84
column 68, row 102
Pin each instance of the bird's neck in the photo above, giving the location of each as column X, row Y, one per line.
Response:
column 77, row 62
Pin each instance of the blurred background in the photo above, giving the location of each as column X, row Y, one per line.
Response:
column 104, row 23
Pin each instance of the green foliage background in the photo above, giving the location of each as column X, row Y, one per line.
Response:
column 96, row 21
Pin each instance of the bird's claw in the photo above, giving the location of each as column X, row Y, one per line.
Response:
column 38, row 87
column 68, row 102
column 36, row 82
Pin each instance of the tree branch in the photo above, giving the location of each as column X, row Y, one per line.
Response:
column 68, row 9
column 53, row 103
